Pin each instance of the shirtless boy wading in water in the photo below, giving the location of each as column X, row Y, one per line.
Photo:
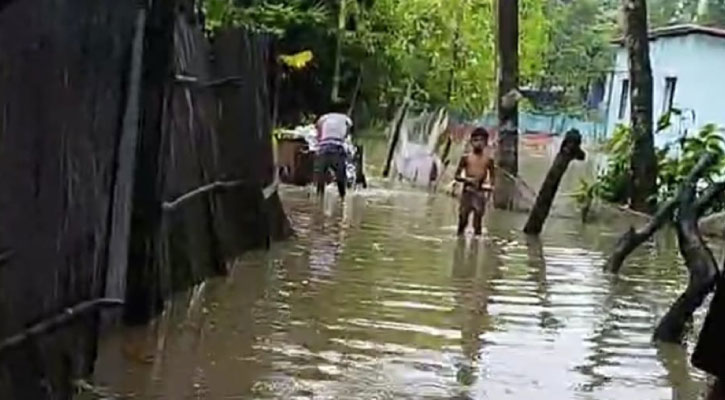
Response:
column 474, row 170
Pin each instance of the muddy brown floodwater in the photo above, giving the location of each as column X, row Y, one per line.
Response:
column 377, row 299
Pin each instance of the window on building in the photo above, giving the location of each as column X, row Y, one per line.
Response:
column 623, row 98
column 670, row 86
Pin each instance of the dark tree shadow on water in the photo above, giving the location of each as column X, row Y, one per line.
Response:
column 538, row 274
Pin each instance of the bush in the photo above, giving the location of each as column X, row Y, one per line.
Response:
column 675, row 161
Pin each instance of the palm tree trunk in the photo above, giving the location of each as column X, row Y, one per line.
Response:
column 643, row 167
column 508, row 138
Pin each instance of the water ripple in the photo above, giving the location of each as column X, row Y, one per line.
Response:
column 377, row 300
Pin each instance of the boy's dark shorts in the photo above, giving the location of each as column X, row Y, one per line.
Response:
column 472, row 200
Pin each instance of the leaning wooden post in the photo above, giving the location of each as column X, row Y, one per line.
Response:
column 395, row 133
column 570, row 150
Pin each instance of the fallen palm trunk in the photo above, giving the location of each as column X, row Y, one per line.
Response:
column 631, row 239
column 702, row 268
column 570, row 150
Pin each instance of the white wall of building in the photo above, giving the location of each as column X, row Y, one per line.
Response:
column 698, row 62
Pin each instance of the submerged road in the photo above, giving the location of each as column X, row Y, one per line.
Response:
column 377, row 299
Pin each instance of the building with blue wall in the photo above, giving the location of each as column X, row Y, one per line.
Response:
column 688, row 71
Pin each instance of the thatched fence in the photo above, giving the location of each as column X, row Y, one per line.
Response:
column 131, row 166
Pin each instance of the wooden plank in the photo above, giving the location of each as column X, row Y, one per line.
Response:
column 124, row 184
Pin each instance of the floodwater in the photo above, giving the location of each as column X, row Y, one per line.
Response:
column 377, row 299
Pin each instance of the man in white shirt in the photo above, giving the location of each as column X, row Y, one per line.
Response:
column 332, row 130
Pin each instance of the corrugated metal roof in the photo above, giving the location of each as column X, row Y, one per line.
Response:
column 681, row 30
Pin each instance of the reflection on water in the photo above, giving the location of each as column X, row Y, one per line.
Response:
column 377, row 299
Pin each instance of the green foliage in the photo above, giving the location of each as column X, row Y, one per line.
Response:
column 669, row 12
column 428, row 43
column 586, row 195
column 444, row 48
column 665, row 120
column 673, row 169
column 268, row 16
column 535, row 44
column 614, row 179
column 578, row 50
column 675, row 162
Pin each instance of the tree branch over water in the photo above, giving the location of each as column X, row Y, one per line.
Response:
column 631, row 239
column 702, row 268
